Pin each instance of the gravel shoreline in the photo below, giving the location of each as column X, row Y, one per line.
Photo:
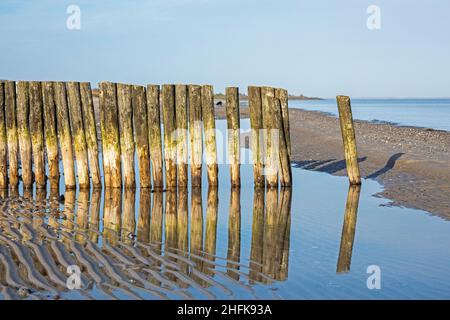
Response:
column 411, row 163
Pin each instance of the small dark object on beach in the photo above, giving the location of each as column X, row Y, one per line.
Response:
column 23, row 292
column 219, row 104
column 62, row 198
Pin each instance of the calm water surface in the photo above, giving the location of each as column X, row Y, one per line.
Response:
column 428, row 113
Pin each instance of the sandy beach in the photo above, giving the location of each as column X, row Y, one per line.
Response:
column 412, row 164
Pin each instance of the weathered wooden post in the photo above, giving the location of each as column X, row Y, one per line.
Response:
column 23, row 131
column 209, row 123
column 233, row 125
column 3, row 140
column 141, row 135
column 256, row 123
column 270, row 136
column 64, row 135
column 283, row 154
column 349, row 139
column 78, row 137
column 182, row 135
column 154, row 130
column 11, row 132
column 348, row 229
column 170, row 151
column 51, row 138
column 90, row 128
column 195, row 134
column 125, row 120
column 37, row 133
column 110, row 135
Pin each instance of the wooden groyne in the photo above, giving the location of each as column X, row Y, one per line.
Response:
column 149, row 135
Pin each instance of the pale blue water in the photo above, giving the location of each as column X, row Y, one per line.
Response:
column 428, row 113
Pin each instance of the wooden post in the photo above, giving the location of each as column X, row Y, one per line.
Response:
column 141, row 135
column 170, row 150
column 64, row 135
column 270, row 136
column 78, row 137
column 256, row 123
column 349, row 139
column 11, row 132
column 51, row 139
column 283, row 154
column 233, row 125
column 90, row 129
column 209, row 123
column 3, row 140
column 110, row 135
column 348, row 229
column 37, row 132
column 154, row 131
column 23, row 130
column 182, row 135
column 125, row 120
column 195, row 134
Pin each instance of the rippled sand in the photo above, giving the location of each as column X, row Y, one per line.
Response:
column 155, row 249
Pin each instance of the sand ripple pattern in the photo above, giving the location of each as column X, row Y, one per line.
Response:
column 159, row 249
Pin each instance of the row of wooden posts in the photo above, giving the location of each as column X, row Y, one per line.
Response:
column 43, row 121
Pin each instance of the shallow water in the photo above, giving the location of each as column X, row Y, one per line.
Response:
column 223, row 243
column 427, row 113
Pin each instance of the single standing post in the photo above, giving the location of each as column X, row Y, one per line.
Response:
column 283, row 153
column 233, row 125
column 64, row 135
column 195, row 134
column 256, row 123
column 209, row 123
column 170, row 151
column 90, row 128
column 79, row 139
column 154, row 132
column 141, row 136
column 182, row 135
column 126, row 134
column 23, row 130
column 11, row 133
column 110, row 135
column 349, row 139
column 270, row 136
column 3, row 140
column 37, row 133
column 51, row 139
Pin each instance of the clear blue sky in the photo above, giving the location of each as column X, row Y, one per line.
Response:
column 318, row 48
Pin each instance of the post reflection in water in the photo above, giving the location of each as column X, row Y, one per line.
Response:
column 348, row 229
column 234, row 234
column 170, row 245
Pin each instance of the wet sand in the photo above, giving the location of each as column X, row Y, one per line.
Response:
column 412, row 164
